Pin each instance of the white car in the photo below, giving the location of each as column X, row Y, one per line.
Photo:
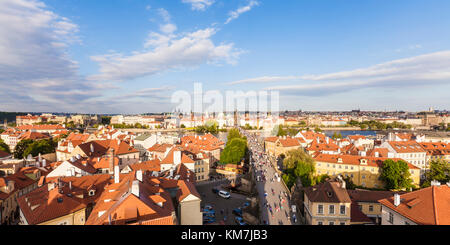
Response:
column 224, row 194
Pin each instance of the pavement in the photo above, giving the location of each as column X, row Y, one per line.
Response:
column 281, row 213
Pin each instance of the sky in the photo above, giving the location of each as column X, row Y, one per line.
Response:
column 131, row 56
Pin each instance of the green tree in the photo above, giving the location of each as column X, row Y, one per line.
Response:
column 233, row 133
column 4, row 147
column 182, row 126
column 322, row 178
column 279, row 131
column 395, row 175
column 106, row 120
column 234, row 151
column 439, row 171
column 40, row 146
column 349, row 183
column 299, row 164
column 21, row 147
column 317, row 130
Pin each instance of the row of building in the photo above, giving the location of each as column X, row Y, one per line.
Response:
column 110, row 177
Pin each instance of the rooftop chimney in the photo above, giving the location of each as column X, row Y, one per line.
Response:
column 177, row 157
column 135, row 188
column 435, row 183
column 396, row 199
column 377, row 154
column 51, row 186
column 116, row 174
column 92, row 148
column 111, row 159
column 139, row 175
column 44, row 163
column 328, row 140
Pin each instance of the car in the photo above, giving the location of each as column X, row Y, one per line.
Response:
column 237, row 211
column 209, row 214
column 208, row 207
column 215, row 190
column 238, row 220
column 208, row 220
column 224, row 194
column 246, row 205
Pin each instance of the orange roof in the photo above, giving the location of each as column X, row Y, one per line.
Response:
column 40, row 127
column 153, row 165
column 406, row 146
column 169, row 158
column 429, row 206
column 119, row 205
column 33, row 136
column 286, row 142
column 42, row 205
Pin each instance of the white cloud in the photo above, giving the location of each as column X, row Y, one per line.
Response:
column 167, row 51
column 423, row 70
column 200, row 5
column 235, row 14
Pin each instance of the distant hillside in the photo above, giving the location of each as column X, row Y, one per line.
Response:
column 10, row 116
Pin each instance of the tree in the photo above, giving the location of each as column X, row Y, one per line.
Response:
column 233, row 133
column 106, row 120
column 182, row 126
column 21, row 147
column 234, row 151
column 40, row 146
column 4, row 147
column 279, row 131
column 395, row 175
column 317, row 130
column 439, row 171
column 299, row 164
column 349, row 183
column 322, row 178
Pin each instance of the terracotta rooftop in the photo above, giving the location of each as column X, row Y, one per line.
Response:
column 428, row 206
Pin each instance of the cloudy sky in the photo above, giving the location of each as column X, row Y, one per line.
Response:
column 130, row 56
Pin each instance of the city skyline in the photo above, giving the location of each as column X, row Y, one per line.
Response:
column 129, row 57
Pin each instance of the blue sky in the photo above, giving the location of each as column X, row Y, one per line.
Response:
column 129, row 56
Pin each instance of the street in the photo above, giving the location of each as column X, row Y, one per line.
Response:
column 274, row 203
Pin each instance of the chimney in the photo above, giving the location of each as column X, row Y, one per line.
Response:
column 110, row 157
column 135, row 188
column 176, row 157
column 377, row 154
column 139, row 175
column 396, row 199
column 435, row 183
column 51, row 186
column 116, row 174
column 328, row 140
column 70, row 185
column 318, row 140
column 92, row 148
column 44, row 163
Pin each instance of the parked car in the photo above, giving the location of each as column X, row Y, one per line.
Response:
column 224, row 194
column 215, row 190
column 237, row 211
column 246, row 204
column 238, row 219
column 208, row 207
column 208, row 220
column 209, row 214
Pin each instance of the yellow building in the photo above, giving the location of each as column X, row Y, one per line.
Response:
column 276, row 146
column 327, row 204
column 363, row 171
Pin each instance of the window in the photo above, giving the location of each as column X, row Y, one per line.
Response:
column 391, row 218
column 370, row 208
column 363, row 176
column 320, row 209
column 352, row 168
column 342, row 209
column 342, row 223
column 319, row 223
column 331, row 209
column 331, row 223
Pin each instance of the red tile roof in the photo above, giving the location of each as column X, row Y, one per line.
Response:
column 429, row 206
column 355, row 160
